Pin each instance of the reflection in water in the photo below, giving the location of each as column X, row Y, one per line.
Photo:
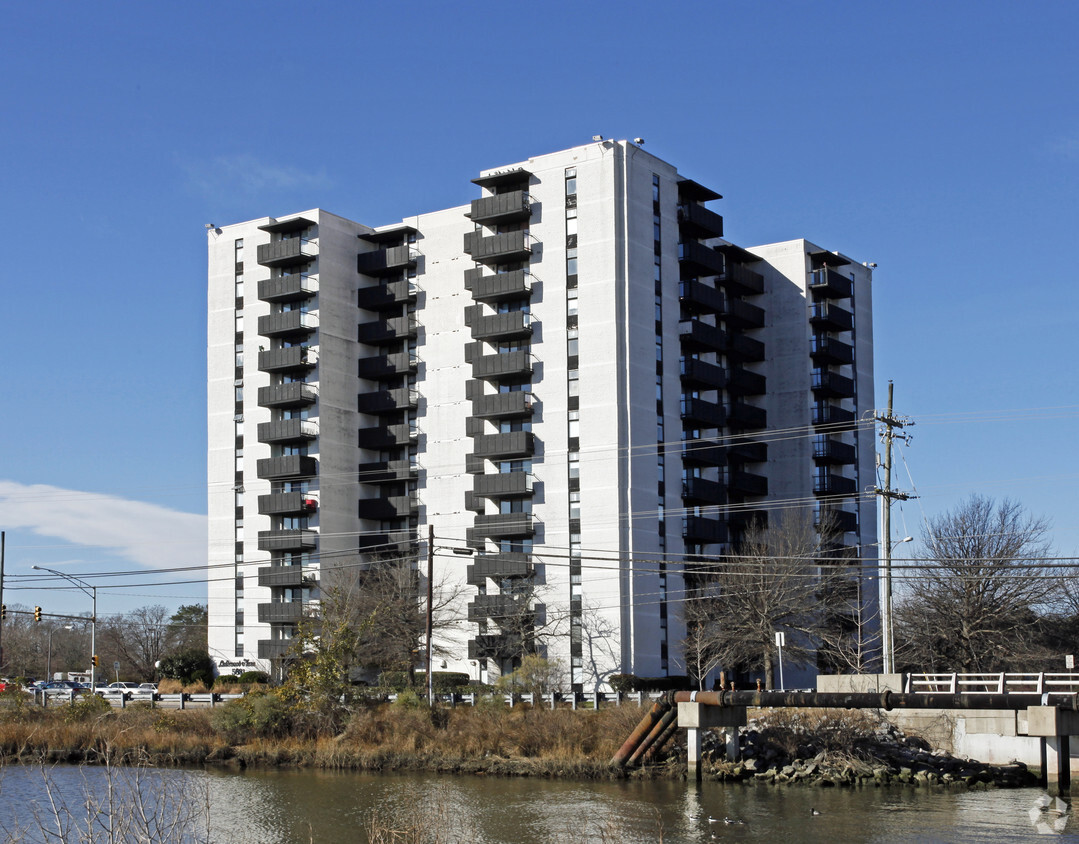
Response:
column 281, row 807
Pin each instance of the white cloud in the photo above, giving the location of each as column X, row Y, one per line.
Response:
column 246, row 176
column 147, row 534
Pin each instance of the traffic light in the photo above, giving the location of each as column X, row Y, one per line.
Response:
column 37, row 613
column 96, row 662
column 3, row 612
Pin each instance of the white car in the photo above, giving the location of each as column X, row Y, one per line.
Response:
column 121, row 687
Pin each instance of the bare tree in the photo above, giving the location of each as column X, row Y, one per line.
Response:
column 139, row 639
column 982, row 584
column 774, row 582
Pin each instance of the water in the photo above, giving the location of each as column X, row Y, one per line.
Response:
column 280, row 807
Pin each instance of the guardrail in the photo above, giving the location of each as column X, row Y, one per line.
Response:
column 120, row 699
column 999, row 684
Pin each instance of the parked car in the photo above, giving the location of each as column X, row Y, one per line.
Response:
column 122, row 686
column 147, row 687
column 56, row 687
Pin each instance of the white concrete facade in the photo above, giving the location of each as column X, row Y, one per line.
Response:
column 589, row 525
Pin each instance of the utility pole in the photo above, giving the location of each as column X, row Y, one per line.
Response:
column 430, row 594
column 890, row 423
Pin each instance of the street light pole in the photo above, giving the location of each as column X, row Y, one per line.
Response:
column 92, row 592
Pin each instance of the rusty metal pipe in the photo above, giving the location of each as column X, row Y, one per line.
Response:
column 661, row 742
column 640, row 732
column 884, row 700
column 650, row 739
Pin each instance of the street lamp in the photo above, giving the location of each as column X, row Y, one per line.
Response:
column 83, row 586
column 48, row 664
column 886, row 603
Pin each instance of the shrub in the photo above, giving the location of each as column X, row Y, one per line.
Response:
column 253, row 677
column 190, row 666
column 409, row 699
column 86, row 707
column 261, row 714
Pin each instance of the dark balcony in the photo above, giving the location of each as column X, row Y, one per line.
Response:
column 287, row 359
column 698, row 297
column 701, row 530
column 387, row 472
column 828, row 316
column 286, row 467
column 495, row 646
column 832, row 451
column 703, row 453
column 505, row 526
column 696, row 259
column 745, row 349
column 292, row 394
column 828, row 284
column 397, row 542
column 498, row 248
column 290, row 612
column 283, row 576
column 502, row 287
column 745, row 382
column 287, row 504
column 698, row 373
column 382, row 437
column 377, row 367
column 835, row 519
column 504, row 366
column 504, row 485
column 509, row 446
column 287, row 430
column 828, row 484
column 832, row 384
column 502, row 405
column 274, row 648
column 746, row 483
column 746, row 417
column 697, row 413
column 831, row 414
column 740, row 281
column 703, row 491
column 383, row 331
column 501, row 208
column 287, row 324
column 287, row 540
column 508, row 326
column 389, row 261
column 380, row 402
column 391, row 507
column 497, row 608
column 699, row 336
column 288, row 288
column 287, row 253
column 747, row 452
column 742, row 519
column 499, row 566
column 697, row 221
column 384, row 297
column 738, row 313
column 824, row 349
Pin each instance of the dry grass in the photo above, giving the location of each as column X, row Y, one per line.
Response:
column 494, row 738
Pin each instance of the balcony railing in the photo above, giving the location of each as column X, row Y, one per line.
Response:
column 741, row 281
column 825, row 349
column 828, row 450
column 697, row 221
column 287, row 323
column 287, row 359
column 703, row 490
column 382, row 331
column 388, row 508
column 500, row 287
column 288, row 252
column 282, row 576
column 381, row 437
column 830, row 316
column 829, row 284
column 292, row 394
column 501, row 207
column 505, row 526
column 511, row 325
column 377, row 367
column 697, row 413
column 504, row 366
column 507, row 446
column 287, row 504
column 503, row 405
column 829, row 484
column 498, row 248
column 701, row 529
column 287, row 540
column 290, row 612
column 287, row 430
column 394, row 259
column 698, row 372
column 700, row 336
column 832, row 384
column 287, row 466
column 288, row 288
column 383, row 297
column 380, row 402
column 499, row 566
column 387, row 472
column 696, row 259
column 504, row 485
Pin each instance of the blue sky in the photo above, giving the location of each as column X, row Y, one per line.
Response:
column 940, row 140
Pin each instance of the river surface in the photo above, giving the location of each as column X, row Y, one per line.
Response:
column 281, row 807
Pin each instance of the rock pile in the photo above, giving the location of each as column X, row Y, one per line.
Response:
column 841, row 754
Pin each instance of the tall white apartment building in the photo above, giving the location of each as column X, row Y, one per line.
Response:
column 574, row 383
